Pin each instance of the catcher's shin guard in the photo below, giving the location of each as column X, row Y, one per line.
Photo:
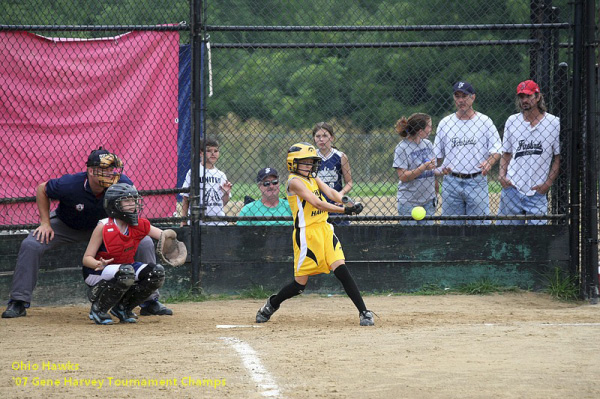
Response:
column 107, row 293
column 151, row 278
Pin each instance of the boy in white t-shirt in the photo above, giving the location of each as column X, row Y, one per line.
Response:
column 531, row 156
column 218, row 188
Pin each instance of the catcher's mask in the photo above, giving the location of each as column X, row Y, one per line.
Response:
column 303, row 151
column 106, row 166
column 122, row 201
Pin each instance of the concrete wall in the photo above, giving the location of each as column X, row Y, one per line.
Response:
column 381, row 258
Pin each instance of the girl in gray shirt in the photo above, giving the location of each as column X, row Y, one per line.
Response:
column 415, row 164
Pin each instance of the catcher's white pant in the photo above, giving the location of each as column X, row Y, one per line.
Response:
column 108, row 273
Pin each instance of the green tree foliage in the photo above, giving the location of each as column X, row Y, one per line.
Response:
column 294, row 87
column 372, row 87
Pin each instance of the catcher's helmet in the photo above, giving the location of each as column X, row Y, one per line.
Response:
column 107, row 167
column 300, row 151
column 113, row 203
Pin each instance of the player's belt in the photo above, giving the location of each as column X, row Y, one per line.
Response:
column 465, row 175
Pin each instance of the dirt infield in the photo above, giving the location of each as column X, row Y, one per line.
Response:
column 522, row 345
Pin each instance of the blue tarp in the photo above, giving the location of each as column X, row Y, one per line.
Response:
column 184, row 142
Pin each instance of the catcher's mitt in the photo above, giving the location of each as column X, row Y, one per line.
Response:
column 169, row 250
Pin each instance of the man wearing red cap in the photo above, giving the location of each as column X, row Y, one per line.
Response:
column 530, row 156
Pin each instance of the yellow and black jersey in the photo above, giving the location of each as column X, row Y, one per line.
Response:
column 316, row 247
column 304, row 213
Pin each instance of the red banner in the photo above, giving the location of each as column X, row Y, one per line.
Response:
column 61, row 98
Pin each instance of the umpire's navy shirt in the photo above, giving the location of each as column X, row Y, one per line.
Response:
column 79, row 208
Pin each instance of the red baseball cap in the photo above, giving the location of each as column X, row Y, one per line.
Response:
column 528, row 87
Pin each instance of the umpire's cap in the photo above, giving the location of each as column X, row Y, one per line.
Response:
column 95, row 157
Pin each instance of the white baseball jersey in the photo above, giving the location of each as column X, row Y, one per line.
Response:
column 464, row 144
column 214, row 195
column 532, row 149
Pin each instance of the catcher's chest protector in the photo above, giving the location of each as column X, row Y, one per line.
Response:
column 119, row 246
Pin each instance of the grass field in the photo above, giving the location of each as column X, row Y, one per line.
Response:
column 360, row 189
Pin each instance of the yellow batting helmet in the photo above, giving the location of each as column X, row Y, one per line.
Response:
column 300, row 151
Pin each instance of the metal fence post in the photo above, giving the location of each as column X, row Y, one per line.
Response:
column 575, row 200
column 196, row 116
column 590, row 212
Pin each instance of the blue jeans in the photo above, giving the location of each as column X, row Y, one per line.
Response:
column 465, row 197
column 513, row 202
column 406, row 208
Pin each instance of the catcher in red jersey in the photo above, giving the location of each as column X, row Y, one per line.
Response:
column 316, row 248
column 117, row 283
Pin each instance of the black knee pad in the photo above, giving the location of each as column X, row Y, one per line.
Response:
column 125, row 276
column 151, row 278
column 152, row 275
column 108, row 293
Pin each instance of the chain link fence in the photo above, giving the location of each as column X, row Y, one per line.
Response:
column 76, row 77
column 117, row 74
column 363, row 66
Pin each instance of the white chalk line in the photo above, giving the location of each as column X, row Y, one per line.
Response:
column 546, row 324
column 237, row 326
column 258, row 372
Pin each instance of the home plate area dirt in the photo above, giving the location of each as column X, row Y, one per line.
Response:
column 517, row 345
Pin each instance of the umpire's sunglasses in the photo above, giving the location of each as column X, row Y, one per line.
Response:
column 268, row 183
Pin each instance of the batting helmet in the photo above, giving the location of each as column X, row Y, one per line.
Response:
column 116, row 207
column 299, row 152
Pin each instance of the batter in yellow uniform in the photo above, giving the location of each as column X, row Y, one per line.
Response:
column 316, row 248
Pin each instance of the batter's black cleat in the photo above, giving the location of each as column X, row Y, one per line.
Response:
column 99, row 317
column 15, row 309
column 366, row 318
column 155, row 308
column 264, row 314
column 125, row 315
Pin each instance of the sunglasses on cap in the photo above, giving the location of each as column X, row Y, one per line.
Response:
column 268, row 183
